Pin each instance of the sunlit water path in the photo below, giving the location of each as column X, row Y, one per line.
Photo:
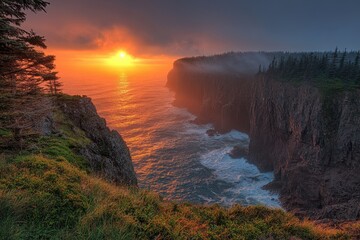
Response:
column 171, row 155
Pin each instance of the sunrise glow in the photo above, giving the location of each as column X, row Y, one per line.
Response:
column 120, row 59
column 122, row 54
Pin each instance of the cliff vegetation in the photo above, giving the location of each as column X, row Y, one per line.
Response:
column 330, row 71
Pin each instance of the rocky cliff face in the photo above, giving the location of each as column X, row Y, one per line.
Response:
column 107, row 152
column 311, row 143
column 216, row 97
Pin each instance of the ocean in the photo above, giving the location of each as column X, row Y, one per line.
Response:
column 172, row 156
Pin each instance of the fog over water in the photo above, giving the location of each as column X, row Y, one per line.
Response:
column 172, row 156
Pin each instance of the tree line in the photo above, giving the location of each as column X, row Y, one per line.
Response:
column 343, row 67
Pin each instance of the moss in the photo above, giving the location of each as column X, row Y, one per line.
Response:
column 62, row 148
column 5, row 133
column 5, row 137
column 74, row 135
column 66, row 97
column 63, row 145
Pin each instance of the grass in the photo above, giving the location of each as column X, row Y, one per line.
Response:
column 60, row 148
column 327, row 86
column 44, row 198
column 40, row 196
column 5, row 133
column 62, row 145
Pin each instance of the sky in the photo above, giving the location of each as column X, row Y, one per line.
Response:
column 199, row 27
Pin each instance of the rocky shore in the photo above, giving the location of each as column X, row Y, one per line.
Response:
column 311, row 142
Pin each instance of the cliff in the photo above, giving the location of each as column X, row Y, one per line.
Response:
column 214, row 96
column 310, row 141
column 313, row 142
column 106, row 152
column 71, row 125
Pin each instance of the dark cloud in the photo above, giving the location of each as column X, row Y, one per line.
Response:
column 201, row 26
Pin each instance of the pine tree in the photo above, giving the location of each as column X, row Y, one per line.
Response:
column 313, row 67
column 23, row 67
column 357, row 59
column 333, row 66
column 324, row 63
column 356, row 69
column 341, row 70
column 25, row 70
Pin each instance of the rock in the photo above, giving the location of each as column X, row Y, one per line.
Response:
column 107, row 153
column 274, row 187
column 198, row 91
column 212, row 132
column 312, row 144
column 198, row 121
column 239, row 151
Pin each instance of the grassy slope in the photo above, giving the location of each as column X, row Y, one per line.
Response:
column 47, row 192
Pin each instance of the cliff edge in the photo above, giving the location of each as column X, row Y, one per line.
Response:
column 310, row 141
column 70, row 125
column 106, row 151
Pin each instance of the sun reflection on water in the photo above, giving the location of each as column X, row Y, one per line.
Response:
column 123, row 84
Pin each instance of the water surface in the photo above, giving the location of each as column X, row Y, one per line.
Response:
column 171, row 155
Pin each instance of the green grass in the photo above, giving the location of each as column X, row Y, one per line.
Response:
column 51, row 198
column 327, row 86
column 61, row 148
column 5, row 137
column 44, row 198
column 41, row 196
column 5, row 133
column 63, row 145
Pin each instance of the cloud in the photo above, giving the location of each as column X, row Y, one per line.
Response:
column 199, row 26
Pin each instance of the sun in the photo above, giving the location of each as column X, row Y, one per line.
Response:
column 122, row 54
column 120, row 59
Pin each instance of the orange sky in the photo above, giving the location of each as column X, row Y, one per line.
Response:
column 97, row 65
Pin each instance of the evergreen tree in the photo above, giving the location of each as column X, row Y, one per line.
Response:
column 324, row 63
column 341, row 71
column 23, row 67
column 356, row 69
column 25, row 70
column 319, row 68
column 333, row 66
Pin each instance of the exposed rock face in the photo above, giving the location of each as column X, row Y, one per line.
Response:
column 214, row 97
column 239, row 151
column 107, row 153
column 312, row 144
